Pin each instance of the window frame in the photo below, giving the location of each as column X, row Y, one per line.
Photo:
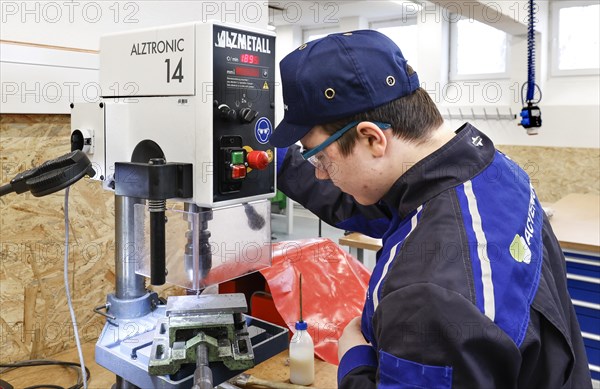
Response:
column 453, row 74
column 555, row 8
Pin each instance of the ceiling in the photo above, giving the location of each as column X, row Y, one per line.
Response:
column 313, row 13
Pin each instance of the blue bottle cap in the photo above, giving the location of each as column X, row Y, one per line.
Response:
column 301, row 325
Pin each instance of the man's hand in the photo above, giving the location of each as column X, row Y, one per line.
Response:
column 352, row 336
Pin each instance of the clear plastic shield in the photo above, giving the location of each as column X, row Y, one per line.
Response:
column 208, row 246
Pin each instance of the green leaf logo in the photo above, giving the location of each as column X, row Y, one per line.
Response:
column 519, row 250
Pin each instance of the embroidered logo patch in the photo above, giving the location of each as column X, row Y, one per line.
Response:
column 519, row 249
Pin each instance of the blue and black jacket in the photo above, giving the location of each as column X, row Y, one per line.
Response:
column 469, row 289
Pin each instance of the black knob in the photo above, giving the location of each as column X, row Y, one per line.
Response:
column 227, row 113
column 247, row 115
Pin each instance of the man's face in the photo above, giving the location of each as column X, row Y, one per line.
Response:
column 346, row 172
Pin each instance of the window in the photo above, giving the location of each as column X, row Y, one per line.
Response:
column 405, row 34
column 575, row 42
column 477, row 50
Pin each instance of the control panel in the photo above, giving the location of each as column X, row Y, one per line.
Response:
column 243, row 77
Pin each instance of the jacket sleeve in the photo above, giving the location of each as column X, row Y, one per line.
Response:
column 357, row 368
column 428, row 336
column 296, row 178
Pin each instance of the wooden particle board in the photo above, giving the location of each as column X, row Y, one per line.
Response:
column 34, row 316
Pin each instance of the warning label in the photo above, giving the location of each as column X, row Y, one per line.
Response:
column 248, row 83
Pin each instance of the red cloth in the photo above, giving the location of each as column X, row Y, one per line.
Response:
column 333, row 289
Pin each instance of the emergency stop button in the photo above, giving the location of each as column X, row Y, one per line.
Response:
column 258, row 159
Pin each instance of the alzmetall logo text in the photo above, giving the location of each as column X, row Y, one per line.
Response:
column 234, row 40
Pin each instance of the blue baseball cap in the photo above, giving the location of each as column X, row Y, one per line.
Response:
column 339, row 76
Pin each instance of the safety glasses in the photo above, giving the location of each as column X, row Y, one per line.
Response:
column 315, row 155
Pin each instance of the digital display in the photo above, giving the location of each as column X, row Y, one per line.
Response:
column 250, row 59
column 245, row 71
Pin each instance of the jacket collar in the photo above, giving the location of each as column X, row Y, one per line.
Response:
column 459, row 160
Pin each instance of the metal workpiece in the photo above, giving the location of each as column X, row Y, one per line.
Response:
column 206, row 304
column 128, row 285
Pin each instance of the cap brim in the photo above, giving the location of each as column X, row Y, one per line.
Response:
column 286, row 134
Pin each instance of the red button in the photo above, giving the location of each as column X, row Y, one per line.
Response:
column 238, row 172
column 258, row 159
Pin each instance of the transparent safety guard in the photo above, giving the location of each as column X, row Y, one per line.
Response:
column 209, row 246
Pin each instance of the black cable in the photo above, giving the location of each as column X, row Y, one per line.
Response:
column 6, row 189
column 47, row 362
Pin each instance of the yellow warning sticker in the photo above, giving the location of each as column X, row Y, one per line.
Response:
column 265, row 85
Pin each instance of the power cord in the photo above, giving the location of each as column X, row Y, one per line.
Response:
column 83, row 372
column 47, row 362
column 68, row 292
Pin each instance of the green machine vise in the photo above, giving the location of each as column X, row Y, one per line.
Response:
column 215, row 321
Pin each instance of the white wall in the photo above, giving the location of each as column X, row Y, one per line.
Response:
column 80, row 23
column 570, row 104
column 38, row 77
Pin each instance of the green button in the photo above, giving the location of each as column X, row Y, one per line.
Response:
column 237, row 157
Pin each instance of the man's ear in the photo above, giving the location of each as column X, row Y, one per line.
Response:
column 372, row 136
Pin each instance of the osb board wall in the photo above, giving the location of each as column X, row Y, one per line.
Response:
column 557, row 171
column 34, row 317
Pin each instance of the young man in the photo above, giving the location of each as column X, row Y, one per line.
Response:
column 469, row 289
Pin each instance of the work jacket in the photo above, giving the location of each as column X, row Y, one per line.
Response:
column 469, row 289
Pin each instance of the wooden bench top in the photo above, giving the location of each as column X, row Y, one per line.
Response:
column 360, row 241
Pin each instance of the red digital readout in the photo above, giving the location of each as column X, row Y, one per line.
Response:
column 248, row 72
column 250, row 59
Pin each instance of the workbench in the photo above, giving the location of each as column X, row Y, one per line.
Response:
column 576, row 224
column 274, row 369
column 359, row 242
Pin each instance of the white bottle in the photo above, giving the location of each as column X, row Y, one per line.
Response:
column 302, row 356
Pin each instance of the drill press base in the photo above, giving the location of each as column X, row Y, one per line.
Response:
column 125, row 348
